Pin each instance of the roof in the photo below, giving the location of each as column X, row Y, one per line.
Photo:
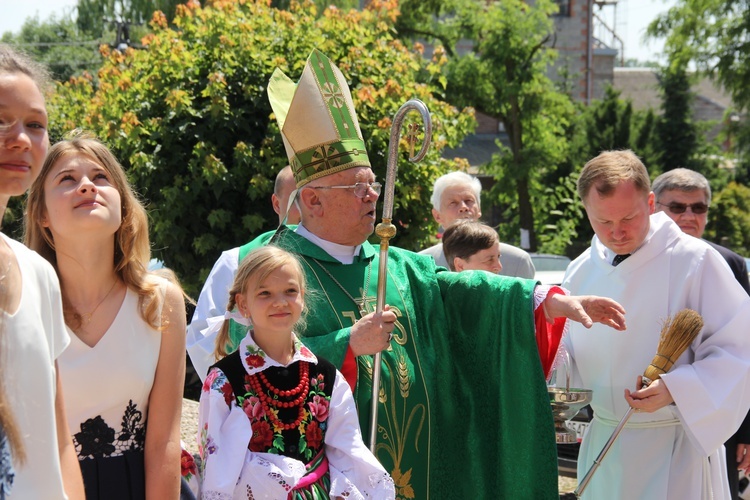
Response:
column 477, row 148
column 641, row 86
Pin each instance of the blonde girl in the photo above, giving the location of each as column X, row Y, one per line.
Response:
column 275, row 420
column 124, row 371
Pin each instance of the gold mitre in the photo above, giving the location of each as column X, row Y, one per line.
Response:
column 317, row 120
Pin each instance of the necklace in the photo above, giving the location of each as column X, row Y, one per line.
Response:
column 86, row 317
column 270, row 395
column 360, row 305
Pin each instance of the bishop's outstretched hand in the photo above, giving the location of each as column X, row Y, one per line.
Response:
column 586, row 309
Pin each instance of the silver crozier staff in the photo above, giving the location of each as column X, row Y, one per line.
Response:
column 386, row 230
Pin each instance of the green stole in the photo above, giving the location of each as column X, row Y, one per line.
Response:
column 464, row 411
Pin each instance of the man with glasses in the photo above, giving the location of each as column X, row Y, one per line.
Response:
column 671, row 448
column 463, row 408
column 685, row 195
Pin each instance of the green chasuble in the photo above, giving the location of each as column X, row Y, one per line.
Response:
column 464, row 411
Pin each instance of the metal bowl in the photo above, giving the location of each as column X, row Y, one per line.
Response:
column 566, row 403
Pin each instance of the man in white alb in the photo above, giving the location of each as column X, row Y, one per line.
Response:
column 671, row 449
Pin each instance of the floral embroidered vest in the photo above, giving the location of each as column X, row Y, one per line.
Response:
column 303, row 442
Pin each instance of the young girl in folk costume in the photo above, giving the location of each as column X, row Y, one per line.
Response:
column 37, row 458
column 276, row 421
column 124, row 370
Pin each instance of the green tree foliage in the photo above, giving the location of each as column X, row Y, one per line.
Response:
column 69, row 45
column 607, row 124
column 433, row 20
column 713, row 34
column 682, row 141
column 59, row 44
column 92, row 13
column 504, row 76
column 189, row 117
column 677, row 133
column 729, row 218
column 320, row 5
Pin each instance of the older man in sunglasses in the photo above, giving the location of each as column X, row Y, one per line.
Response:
column 685, row 195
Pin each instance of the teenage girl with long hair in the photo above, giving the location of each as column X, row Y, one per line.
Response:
column 124, row 371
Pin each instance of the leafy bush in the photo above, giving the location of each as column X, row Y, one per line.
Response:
column 189, row 117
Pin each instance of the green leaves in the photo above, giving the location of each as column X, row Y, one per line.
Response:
column 189, row 119
column 713, row 36
column 504, row 76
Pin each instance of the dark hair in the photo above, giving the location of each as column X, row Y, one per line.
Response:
column 465, row 238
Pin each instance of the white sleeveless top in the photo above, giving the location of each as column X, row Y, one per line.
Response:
column 35, row 336
column 107, row 386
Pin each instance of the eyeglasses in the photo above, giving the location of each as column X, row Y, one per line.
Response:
column 361, row 189
column 679, row 208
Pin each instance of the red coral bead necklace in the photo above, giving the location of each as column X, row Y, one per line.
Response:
column 263, row 388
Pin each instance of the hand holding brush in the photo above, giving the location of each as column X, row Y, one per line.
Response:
column 676, row 336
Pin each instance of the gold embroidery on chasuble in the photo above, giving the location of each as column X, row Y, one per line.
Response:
column 403, row 424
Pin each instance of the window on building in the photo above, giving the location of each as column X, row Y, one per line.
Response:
column 563, row 8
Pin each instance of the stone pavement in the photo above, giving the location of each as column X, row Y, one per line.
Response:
column 189, row 425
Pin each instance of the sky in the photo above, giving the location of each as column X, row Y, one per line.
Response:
column 14, row 12
column 629, row 18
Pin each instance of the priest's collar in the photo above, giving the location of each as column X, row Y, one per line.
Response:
column 342, row 253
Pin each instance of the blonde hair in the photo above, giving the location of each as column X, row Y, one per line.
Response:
column 610, row 169
column 258, row 265
column 7, row 419
column 132, row 248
